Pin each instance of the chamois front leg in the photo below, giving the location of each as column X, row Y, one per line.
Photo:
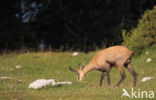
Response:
column 108, row 78
column 102, row 77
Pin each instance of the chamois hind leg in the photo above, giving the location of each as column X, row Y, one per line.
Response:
column 134, row 74
column 102, row 77
column 123, row 76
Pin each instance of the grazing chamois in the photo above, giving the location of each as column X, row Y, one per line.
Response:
column 104, row 60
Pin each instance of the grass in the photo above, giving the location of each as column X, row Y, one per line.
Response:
column 55, row 65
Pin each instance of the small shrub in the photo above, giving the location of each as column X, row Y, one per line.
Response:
column 144, row 35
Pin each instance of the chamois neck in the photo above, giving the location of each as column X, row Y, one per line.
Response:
column 88, row 68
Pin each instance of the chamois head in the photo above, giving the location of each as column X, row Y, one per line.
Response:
column 79, row 72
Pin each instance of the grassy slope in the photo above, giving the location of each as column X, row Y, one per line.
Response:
column 55, row 65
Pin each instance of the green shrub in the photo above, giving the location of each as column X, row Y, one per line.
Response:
column 144, row 35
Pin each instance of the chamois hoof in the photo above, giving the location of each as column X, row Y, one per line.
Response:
column 116, row 86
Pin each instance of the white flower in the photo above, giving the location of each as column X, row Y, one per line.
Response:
column 75, row 53
column 146, row 52
column 147, row 79
column 18, row 66
column 148, row 60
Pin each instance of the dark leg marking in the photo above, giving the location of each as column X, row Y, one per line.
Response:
column 108, row 77
column 102, row 77
column 123, row 76
column 134, row 74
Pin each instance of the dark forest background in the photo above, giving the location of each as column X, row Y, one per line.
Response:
column 67, row 24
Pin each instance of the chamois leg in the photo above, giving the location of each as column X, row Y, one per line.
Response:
column 102, row 77
column 123, row 76
column 134, row 74
column 108, row 77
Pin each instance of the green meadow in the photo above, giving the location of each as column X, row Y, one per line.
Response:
column 54, row 65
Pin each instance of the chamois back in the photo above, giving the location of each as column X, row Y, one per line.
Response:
column 115, row 54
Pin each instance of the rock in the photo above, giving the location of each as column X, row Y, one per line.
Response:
column 147, row 79
column 59, row 83
column 5, row 77
column 42, row 83
column 148, row 60
column 75, row 53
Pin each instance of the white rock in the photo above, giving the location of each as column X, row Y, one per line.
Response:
column 58, row 83
column 18, row 66
column 148, row 60
column 42, row 83
column 5, row 77
column 75, row 53
column 147, row 79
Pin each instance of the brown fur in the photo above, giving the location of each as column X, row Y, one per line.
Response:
column 104, row 60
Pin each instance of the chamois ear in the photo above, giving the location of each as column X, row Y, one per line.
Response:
column 81, row 67
column 72, row 69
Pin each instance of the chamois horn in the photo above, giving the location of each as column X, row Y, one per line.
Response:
column 72, row 69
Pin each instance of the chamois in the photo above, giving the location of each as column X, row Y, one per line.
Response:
column 104, row 60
